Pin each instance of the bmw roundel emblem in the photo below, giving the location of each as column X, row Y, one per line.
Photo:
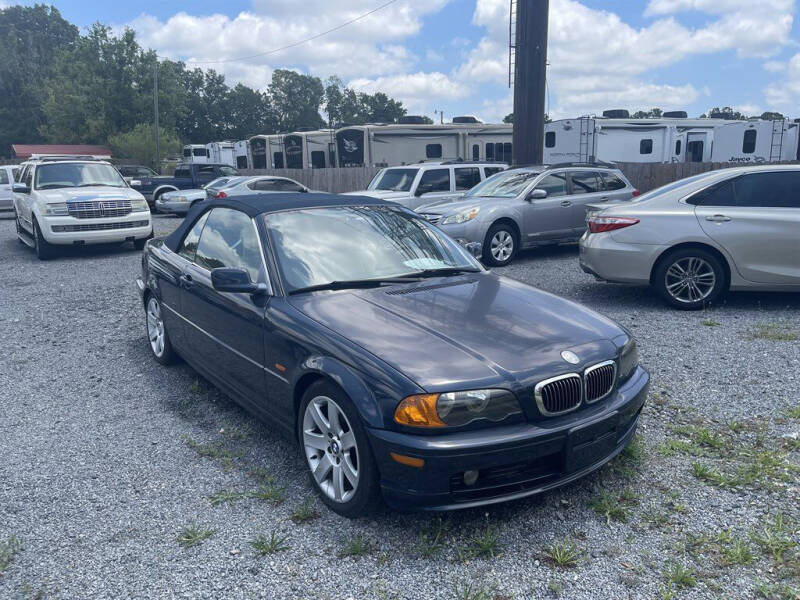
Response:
column 570, row 357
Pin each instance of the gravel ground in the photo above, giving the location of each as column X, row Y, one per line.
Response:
column 105, row 457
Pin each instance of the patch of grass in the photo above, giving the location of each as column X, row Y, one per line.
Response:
column 304, row 513
column 711, row 323
column 485, row 544
column 193, row 535
column 680, row 576
column 225, row 497
column 357, row 546
column 614, row 507
column 8, row 550
column 264, row 545
column 771, row 591
column 565, row 554
column 774, row 333
column 775, row 538
column 431, row 539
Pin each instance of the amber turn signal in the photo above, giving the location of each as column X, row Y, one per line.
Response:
column 418, row 411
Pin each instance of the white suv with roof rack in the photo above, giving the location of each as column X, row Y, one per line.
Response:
column 77, row 200
column 424, row 183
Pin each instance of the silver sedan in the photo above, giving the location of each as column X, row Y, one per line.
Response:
column 694, row 239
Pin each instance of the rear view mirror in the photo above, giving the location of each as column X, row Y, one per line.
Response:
column 537, row 195
column 20, row 188
column 235, row 281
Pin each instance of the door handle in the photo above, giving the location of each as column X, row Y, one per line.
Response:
column 186, row 280
column 718, row 219
column 566, row 203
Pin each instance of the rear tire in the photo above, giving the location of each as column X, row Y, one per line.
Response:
column 690, row 279
column 44, row 249
column 335, row 447
column 501, row 245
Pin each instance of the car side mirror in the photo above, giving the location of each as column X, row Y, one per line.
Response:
column 537, row 195
column 423, row 188
column 20, row 188
column 235, row 281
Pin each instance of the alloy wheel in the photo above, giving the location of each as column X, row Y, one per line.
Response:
column 155, row 327
column 331, row 449
column 502, row 245
column 690, row 279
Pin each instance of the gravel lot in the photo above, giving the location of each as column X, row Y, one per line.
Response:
column 105, row 457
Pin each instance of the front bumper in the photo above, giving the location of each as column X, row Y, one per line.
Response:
column 171, row 206
column 607, row 259
column 69, row 230
column 514, row 461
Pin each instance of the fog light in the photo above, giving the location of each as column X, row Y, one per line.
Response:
column 470, row 477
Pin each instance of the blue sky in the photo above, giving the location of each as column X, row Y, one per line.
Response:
column 451, row 54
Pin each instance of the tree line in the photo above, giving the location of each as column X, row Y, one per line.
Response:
column 58, row 86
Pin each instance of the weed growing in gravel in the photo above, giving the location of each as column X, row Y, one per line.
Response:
column 775, row 539
column 304, row 513
column 614, row 507
column 774, row 333
column 564, row 554
column 194, row 534
column 225, row 497
column 680, row 576
column 358, row 546
column 770, row 591
column 486, row 544
column 8, row 550
column 431, row 538
column 264, row 545
column 711, row 323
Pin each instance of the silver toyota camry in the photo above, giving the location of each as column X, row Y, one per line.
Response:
column 692, row 240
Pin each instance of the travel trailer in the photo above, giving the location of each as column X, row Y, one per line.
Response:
column 399, row 144
column 240, row 153
column 221, row 153
column 196, row 153
column 670, row 140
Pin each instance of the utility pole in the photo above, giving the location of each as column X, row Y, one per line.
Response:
column 530, row 75
column 155, row 110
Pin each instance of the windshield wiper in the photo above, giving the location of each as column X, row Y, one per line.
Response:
column 353, row 283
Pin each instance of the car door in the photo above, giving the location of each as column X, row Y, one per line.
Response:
column 756, row 218
column 586, row 187
column 226, row 331
column 547, row 218
column 433, row 185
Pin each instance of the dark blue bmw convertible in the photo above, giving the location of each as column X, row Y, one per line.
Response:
column 405, row 370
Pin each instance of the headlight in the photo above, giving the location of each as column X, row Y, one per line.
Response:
column 455, row 409
column 628, row 360
column 57, row 209
column 462, row 217
column 139, row 206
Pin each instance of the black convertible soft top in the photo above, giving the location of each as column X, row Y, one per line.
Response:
column 258, row 204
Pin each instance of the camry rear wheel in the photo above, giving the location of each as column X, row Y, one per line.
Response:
column 341, row 466
column 157, row 335
column 690, row 279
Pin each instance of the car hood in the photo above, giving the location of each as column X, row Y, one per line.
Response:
column 86, row 194
column 471, row 330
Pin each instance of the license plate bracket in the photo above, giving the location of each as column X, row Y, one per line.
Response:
column 589, row 443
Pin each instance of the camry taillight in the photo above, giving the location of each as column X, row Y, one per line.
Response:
column 221, row 195
column 601, row 224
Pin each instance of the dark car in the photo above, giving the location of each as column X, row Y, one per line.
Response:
column 186, row 177
column 403, row 368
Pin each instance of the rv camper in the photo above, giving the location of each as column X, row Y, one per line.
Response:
column 221, row 153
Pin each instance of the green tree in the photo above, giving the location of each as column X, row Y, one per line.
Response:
column 30, row 38
column 139, row 145
column 296, row 99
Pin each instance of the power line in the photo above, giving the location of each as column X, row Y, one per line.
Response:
column 308, row 39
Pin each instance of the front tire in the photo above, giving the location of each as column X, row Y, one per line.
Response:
column 157, row 336
column 44, row 249
column 690, row 279
column 500, row 245
column 341, row 466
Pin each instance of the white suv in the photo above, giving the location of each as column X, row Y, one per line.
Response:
column 424, row 183
column 69, row 200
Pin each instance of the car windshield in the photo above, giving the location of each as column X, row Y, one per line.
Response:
column 357, row 243
column 393, row 180
column 68, row 175
column 508, row 184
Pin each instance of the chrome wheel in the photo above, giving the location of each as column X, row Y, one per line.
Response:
column 690, row 279
column 502, row 246
column 155, row 327
column 331, row 449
